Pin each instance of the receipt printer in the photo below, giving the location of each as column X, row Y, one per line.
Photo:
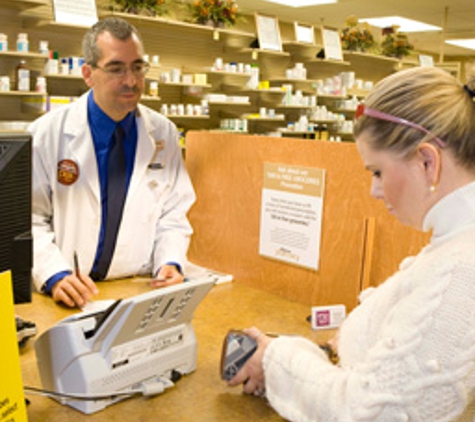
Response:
column 134, row 341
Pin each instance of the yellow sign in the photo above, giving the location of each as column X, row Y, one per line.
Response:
column 12, row 400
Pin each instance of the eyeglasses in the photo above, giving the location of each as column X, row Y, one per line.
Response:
column 362, row 110
column 119, row 70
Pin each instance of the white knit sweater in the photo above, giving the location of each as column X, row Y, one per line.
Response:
column 407, row 352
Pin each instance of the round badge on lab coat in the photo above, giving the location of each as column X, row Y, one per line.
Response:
column 68, row 172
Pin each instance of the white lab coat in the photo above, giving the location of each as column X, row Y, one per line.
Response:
column 67, row 218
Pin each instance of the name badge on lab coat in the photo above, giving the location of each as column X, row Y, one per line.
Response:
column 159, row 145
column 68, row 172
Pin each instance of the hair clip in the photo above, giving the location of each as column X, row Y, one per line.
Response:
column 363, row 110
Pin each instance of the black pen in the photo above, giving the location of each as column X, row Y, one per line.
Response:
column 76, row 264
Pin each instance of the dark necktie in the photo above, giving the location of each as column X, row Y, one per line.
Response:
column 116, row 189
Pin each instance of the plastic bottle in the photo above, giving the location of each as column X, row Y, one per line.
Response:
column 43, row 47
column 4, row 83
column 51, row 66
column 205, row 107
column 254, row 79
column 316, row 130
column 3, row 42
column 153, row 89
column 41, row 84
column 64, row 66
column 22, row 77
column 324, row 133
column 22, row 44
column 303, row 123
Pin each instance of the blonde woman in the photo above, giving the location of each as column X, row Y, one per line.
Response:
column 407, row 352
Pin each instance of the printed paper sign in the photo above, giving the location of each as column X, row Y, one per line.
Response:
column 73, row 12
column 291, row 214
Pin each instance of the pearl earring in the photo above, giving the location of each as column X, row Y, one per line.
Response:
column 432, row 188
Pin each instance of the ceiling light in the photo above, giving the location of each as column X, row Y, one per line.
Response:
column 405, row 25
column 466, row 43
column 301, row 3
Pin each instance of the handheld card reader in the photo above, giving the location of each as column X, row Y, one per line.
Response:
column 237, row 349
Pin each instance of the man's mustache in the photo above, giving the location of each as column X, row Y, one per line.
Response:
column 128, row 90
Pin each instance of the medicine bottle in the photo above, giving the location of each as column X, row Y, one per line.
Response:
column 52, row 66
column 22, row 74
column 324, row 133
column 253, row 82
column 43, row 47
column 4, row 83
column 316, row 130
column 64, row 66
column 22, row 44
column 41, row 84
column 3, row 42
column 153, row 89
column 205, row 107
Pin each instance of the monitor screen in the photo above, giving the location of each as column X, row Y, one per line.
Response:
column 16, row 248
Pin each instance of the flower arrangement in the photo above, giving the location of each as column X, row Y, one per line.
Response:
column 355, row 36
column 214, row 12
column 144, row 7
column 395, row 44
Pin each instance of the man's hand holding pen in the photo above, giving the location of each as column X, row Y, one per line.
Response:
column 75, row 290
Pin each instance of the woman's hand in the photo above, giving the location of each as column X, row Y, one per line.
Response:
column 251, row 375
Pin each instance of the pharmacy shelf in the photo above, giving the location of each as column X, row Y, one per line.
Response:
column 255, row 52
column 229, row 74
column 187, row 117
column 25, row 4
column 183, row 84
column 216, row 33
column 228, row 103
column 150, row 98
column 22, row 94
column 22, row 55
column 64, row 77
column 293, row 107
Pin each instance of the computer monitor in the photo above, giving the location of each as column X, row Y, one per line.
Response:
column 16, row 247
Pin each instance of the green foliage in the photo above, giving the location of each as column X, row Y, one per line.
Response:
column 144, row 7
column 216, row 12
column 355, row 36
column 395, row 44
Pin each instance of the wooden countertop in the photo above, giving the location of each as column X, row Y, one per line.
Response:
column 200, row 396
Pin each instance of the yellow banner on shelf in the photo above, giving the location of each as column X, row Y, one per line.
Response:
column 12, row 399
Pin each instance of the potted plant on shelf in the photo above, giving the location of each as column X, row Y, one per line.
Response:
column 356, row 36
column 216, row 13
column 143, row 7
column 395, row 43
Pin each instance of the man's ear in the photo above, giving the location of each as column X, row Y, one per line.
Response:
column 431, row 161
column 86, row 71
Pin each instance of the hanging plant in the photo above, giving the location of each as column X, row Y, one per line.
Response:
column 143, row 7
column 217, row 13
column 395, row 44
column 356, row 36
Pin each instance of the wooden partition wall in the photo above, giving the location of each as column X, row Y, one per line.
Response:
column 361, row 244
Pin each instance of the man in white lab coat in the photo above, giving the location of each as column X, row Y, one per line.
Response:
column 70, row 176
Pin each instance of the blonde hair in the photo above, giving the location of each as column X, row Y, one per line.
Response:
column 429, row 97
